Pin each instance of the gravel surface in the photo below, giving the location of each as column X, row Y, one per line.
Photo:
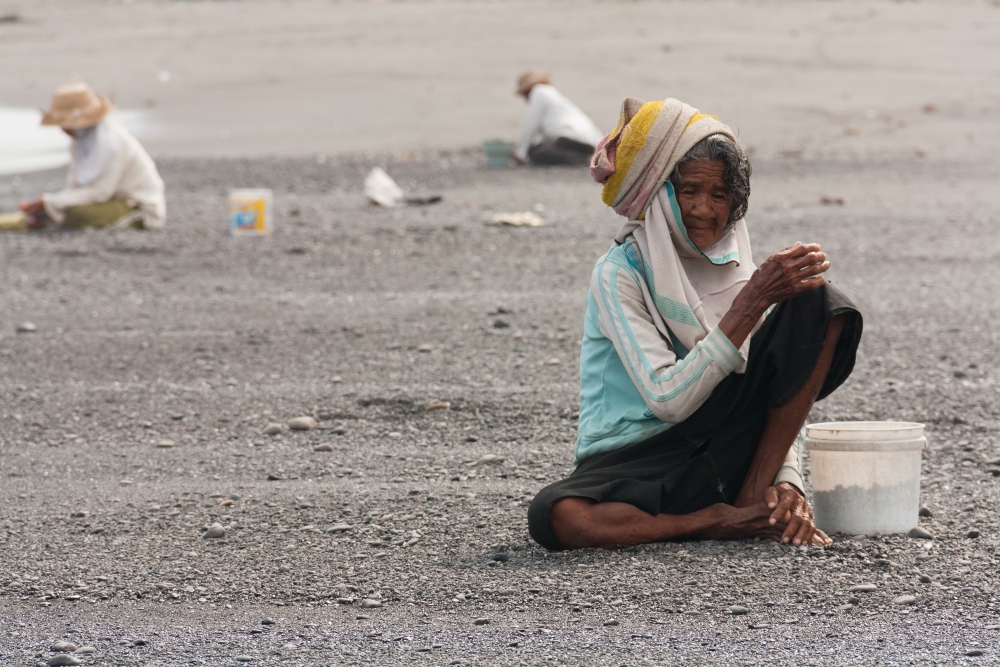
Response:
column 147, row 518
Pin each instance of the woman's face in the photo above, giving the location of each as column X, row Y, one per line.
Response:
column 704, row 198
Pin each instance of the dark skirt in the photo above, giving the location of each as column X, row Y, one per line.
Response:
column 704, row 459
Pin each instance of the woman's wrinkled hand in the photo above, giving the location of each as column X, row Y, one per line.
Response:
column 791, row 509
column 794, row 270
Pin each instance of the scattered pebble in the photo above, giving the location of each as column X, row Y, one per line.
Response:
column 63, row 659
column 924, row 512
column 480, row 621
column 243, row 658
column 338, row 528
column 323, row 448
column 215, row 530
column 302, row 424
column 165, row 444
column 611, row 623
column 863, row 588
column 272, row 429
column 267, row 621
column 63, row 647
column 760, row 626
column 972, row 652
column 737, row 610
column 920, row 533
column 438, row 405
column 904, row 599
column 370, row 604
column 86, row 649
column 924, row 579
column 500, row 557
column 26, row 327
column 973, row 534
column 164, row 586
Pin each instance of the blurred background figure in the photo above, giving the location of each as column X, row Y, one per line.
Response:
column 554, row 131
column 112, row 181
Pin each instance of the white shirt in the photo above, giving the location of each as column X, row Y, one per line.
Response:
column 551, row 116
column 127, row 173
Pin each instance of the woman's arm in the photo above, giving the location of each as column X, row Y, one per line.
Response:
column 99, row 191
column 672, row 388
column 787, row 273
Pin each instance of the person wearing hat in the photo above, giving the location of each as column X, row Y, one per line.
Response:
column 554, row 131
column 112, row 181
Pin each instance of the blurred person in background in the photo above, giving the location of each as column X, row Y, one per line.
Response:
column 554, row 131
column 112, row 181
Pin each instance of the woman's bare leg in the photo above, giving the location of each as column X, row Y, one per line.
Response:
column 580, row 522
column 785, row 422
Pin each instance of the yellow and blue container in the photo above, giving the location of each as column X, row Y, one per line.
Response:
column 250, row 212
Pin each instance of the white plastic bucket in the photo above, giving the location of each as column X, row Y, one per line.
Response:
column 865, row 476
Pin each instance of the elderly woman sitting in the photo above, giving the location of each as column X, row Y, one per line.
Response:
column 112, row 181
column 697, row 369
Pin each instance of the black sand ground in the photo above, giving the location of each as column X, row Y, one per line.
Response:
column 362, row 317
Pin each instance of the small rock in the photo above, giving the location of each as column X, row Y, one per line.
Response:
column 973, row 533
column 274, row 478
column 26, row 327
column 759, row 626
column 972, row 653
column 904, row 599
column 425, row 348
column 553, row 362
column 611, row 623
column 63, row 659
column 323, row 448
column 924, row 579
column 339, row 528
column 284, row 569
column 302, row 424
column 336, row 379
column 63, row 647
column 267, row 621
column 370, row 604
column 863, row 588
column 500, row 557
column 86, row 649
column 215, row 530
column 924, row 512
column 480, row 621
column 501, row 324
column 853, row 600
column 488, row 458
column 920, row 533
column 272, row 429
column 165, row 444
column 139, row 642
column 164, row 586
column 737, row 610
column 438, row 405
column 243, row 658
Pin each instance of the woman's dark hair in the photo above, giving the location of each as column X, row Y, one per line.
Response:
column 722, row 148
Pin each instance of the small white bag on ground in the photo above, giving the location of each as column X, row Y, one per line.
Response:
column 381, row 189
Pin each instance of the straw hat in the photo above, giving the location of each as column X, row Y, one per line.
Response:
column 75, row 106
column 531, row 78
